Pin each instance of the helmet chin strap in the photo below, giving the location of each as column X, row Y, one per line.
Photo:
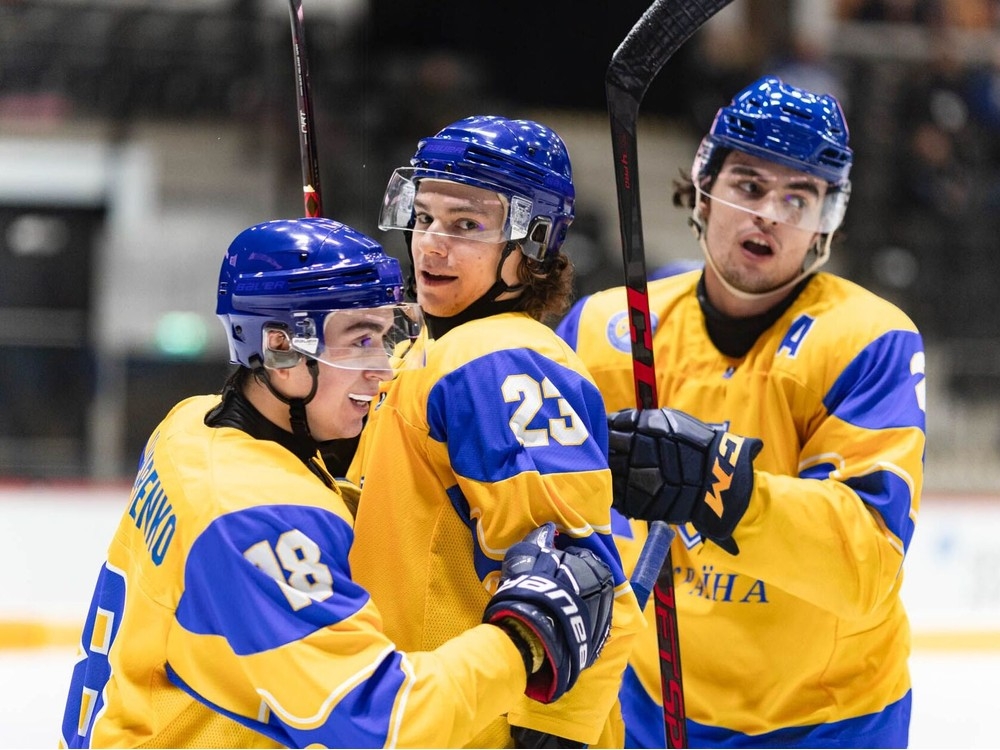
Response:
column 500, row 286
column 481, row 307
column 815, row 258
column 297, row 405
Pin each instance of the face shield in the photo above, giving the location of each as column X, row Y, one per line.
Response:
column 445, row 204
column 785, row 195
column 388, row 338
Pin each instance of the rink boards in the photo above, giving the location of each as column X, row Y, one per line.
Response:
column 53, row 539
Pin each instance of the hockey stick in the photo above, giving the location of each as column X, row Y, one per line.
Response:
column 338, row 452
column 656, row 36
column 311, row 194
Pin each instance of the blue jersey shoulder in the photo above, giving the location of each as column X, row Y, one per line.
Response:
column 517, row 410
column 268, row 575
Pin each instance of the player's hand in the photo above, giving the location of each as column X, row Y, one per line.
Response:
column 668, row 466
column 556, row 605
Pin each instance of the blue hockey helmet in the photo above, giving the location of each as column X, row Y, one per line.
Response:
column 525, row 163
column 331, row 290
column 789, row 126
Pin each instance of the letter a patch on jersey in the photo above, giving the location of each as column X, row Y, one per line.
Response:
column 796, row 334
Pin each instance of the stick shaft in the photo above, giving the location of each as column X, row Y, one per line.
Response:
column 311, row 192
column 656, row 36
column 656, row 559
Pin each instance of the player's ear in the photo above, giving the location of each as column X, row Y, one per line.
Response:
column 699, row 214
column 704, row 207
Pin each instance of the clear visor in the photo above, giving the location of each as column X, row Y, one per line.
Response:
column 434, row 202
column 387, row 338
column 789, row 197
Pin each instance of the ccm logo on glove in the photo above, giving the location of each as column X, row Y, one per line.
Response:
column 729, row 450
column 668, row 466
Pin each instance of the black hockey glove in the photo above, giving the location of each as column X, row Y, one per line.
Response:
column 556, row 606
column 668, row 466
column 534, row 740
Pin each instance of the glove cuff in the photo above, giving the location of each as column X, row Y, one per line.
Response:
column 526, row 642
column 543, row 682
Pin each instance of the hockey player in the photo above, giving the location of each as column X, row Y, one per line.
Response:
column 788, row 562
column 503, row 429
column 226, row 615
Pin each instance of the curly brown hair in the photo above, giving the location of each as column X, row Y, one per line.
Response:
column 548, row 286
column 684, row 193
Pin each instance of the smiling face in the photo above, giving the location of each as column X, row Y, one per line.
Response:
column 760, row 222
column 343, row 399
column 352, row 365
column 455, row 246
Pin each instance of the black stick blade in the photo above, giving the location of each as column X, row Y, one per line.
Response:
column 654, row 39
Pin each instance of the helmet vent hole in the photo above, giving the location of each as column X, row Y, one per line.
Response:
column 742, row 124
column 303, row 257
column 793, row 112
column 834, row 157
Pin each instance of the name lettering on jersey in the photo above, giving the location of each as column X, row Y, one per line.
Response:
column 718, row 586
column 795, row 335
column 534, row 396
column 152, row 512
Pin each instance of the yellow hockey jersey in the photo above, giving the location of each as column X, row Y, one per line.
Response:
column 801, row 639
column 226, row 616
column 501, row 431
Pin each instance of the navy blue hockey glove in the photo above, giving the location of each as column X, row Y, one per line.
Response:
column 556, row 606
column 535, row 740
column 668, row 466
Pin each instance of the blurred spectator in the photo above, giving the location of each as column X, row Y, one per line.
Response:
column 945, row 190
column 984, row 90
column 809, row 66
column 933, row 179
column 941, row 145
column 927, row 12
column 984, row 103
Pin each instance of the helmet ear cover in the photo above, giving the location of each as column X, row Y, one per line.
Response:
column 536, row 244
column 278, row 357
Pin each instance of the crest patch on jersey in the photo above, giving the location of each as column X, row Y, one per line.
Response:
column 618, row 332
column 689, row 535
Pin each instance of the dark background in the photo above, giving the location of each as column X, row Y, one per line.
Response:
column 922, row 100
